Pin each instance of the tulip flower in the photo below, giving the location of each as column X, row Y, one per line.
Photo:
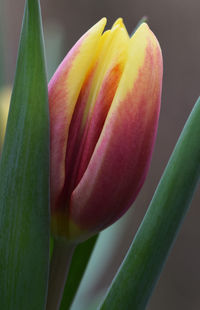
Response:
column 5, row 94
column 104, row 104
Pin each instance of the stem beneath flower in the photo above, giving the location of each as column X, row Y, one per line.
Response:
column 60, row 262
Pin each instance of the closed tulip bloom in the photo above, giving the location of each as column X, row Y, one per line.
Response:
column 104, row 103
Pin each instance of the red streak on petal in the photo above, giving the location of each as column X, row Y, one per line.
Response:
column 98, row 116
column 82, row 140
column 76, row 133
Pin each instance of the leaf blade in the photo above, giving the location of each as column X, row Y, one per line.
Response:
column 24, row 176
column 133, row 286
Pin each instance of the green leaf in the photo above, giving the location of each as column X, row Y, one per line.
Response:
column 77, row 268
column 140, row 271
column 24, row 177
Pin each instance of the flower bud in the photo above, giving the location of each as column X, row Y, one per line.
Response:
column 104, row 103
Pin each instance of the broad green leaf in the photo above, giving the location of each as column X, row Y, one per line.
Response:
column 24, row 177
column 78, row 265
column 136, row 279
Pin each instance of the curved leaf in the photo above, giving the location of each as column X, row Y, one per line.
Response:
column 143, row 264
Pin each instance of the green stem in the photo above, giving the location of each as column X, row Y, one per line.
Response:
column 60, row 262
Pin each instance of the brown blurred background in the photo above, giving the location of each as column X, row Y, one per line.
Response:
column 176, row 23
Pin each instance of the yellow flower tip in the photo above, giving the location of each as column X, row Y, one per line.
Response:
column 103, row 20
column 144, row 35
column 142, row 30
column 98, row 28
column 119, row 24
column 101, row 23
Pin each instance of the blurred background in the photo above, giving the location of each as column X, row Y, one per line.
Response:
column 176, row 24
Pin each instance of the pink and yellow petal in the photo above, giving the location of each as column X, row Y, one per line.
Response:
column 75, row 136
column 64, row 89
column 94, row 102
column 98, row 116
column 121, row 158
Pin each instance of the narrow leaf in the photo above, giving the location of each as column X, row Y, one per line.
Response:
column 78, row 265
column 140, row 271
column 24, row 177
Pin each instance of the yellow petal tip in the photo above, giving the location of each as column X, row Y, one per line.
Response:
column 102, row 22
column 98, row 27
column 141, row 29
column 119, row 22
